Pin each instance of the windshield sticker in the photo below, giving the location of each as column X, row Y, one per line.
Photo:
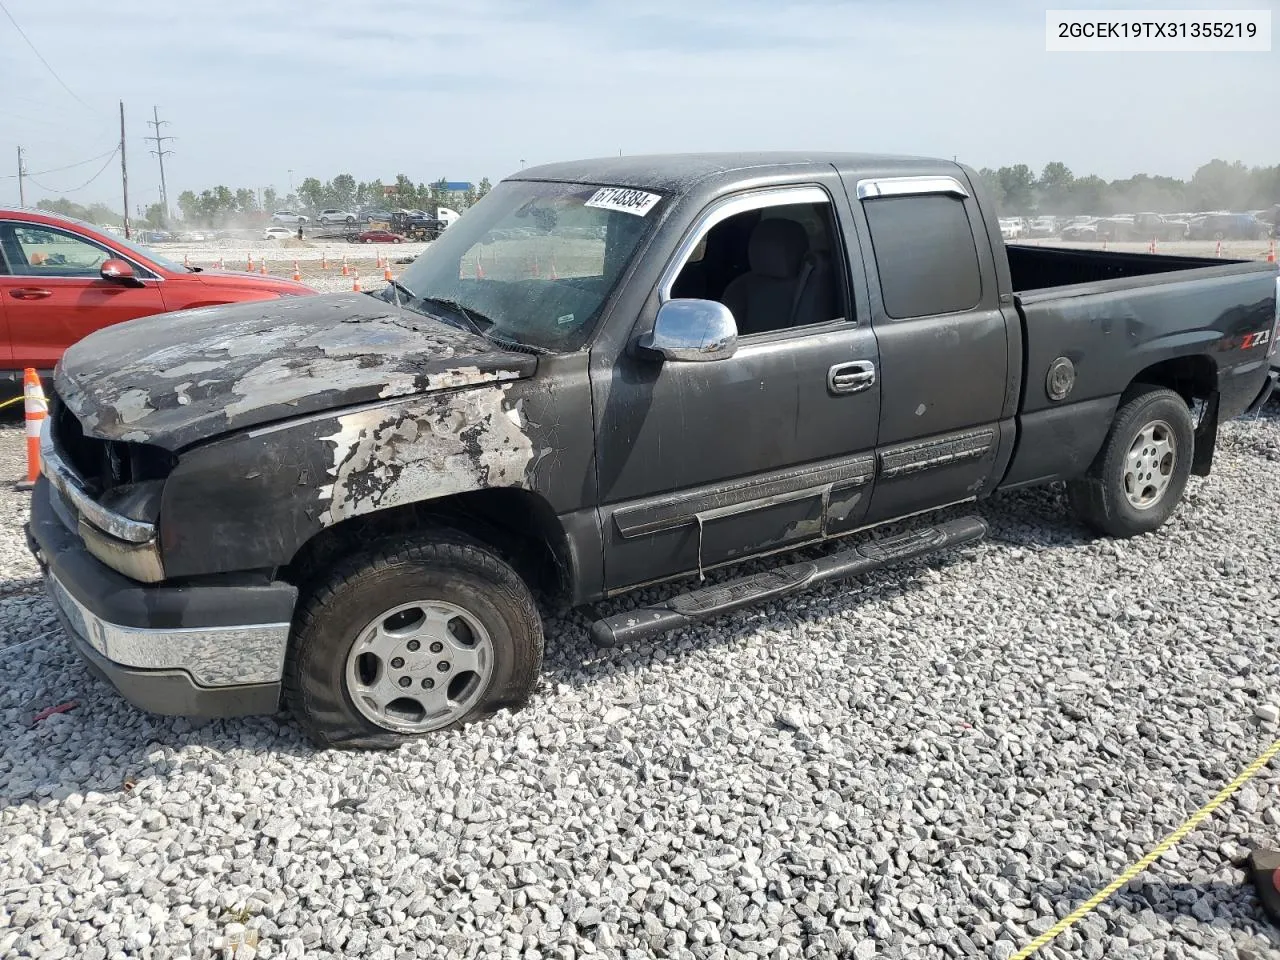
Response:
column 566, row 319
column 624, row 201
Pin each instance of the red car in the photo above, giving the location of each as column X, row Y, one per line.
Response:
column 62, row 279
column 378, row 236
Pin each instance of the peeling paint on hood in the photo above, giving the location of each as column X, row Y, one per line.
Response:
column 178, row 378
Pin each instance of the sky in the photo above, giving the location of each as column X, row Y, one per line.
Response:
column 262, row 94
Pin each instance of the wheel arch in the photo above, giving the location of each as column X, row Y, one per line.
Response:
column 518, row 524
column 1194, row 378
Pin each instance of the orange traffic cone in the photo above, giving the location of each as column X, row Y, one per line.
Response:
column 1104, row 243
column 1271, row 252
column 1218, row 252
column 479, row 268
column 1151, row 248
column 345, row 271
column 297, row 276
column 218, row 265
column 36, row 409
column 386, row 270
column 262, row 269
column 186, row 260
column 324, row 262
column 355, row 284
column 554, row 275
column 250, row 259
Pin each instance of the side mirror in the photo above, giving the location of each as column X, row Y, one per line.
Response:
column 693, row 330
column 119, row 270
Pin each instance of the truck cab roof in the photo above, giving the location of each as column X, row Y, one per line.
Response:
column 677, row 173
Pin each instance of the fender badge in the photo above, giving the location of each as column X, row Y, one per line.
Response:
column 1060, row 379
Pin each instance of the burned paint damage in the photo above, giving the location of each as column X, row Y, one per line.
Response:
column 180, row 378
column 415, row 452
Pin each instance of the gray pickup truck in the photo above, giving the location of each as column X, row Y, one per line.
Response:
column 608, row 374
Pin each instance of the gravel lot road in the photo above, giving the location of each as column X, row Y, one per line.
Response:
column 934, row 764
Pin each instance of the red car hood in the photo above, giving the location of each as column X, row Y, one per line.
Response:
column 241, row 278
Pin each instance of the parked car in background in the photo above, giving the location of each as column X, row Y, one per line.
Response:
column 1157, row 226
column 288, row 216
column 1228, row 226
column 334, row 215
column 61, row 279
column 1042, row 227
column 377, row 236
column 1010, row 228
column 375, row 215
column 278, row 233
column 1084, row 230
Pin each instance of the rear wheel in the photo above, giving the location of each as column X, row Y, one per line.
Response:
column 1137, row 480
column 412, row 637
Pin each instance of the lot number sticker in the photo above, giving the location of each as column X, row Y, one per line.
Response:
column 626, row 201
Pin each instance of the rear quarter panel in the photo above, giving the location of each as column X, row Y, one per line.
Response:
column 1112, row 331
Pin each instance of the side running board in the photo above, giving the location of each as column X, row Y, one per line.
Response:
column 708, row 602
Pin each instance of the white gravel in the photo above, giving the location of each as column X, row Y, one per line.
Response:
column 934, row 764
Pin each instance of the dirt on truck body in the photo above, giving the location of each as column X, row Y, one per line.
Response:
column 608, row 374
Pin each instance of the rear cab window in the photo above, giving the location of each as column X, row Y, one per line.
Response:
column 924, row 247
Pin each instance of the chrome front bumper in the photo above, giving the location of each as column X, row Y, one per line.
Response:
column 211, row 656
column 213, row 649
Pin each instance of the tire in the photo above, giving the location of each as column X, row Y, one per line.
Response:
column 351, row 219
column 374, row 588
column 1107, row 498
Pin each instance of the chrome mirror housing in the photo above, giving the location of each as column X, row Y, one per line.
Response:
column 693, row 330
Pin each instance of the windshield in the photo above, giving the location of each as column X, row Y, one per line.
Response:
column 150, row 254
column 532, row 262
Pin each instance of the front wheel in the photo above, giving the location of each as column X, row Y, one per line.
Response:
column 414, row 636
column 1137, row 480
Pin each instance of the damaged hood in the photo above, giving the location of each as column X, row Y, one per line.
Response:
column 178, row 378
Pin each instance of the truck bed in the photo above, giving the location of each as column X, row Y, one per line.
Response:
column 1042, row 268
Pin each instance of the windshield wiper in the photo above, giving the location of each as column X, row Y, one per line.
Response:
column 471, row 323
column 403, row 289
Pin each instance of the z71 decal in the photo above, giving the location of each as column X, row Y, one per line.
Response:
column 1252, row 340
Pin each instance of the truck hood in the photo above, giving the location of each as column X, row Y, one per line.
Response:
column 175, row 379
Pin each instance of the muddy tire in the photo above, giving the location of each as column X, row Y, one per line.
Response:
column 1138, row 478
column 408, row 638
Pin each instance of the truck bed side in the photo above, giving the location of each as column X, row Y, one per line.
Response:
column 1185, row 326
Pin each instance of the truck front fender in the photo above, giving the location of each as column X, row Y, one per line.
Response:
column 251, row 500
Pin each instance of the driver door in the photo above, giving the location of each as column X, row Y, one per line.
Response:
column 54, row 294
column 705, row 463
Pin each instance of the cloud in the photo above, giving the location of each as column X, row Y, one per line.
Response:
column 431, row 89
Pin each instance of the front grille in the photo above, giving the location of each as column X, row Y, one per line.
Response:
column 104, row 465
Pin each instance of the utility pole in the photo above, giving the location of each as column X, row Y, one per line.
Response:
column 124, row 173
column 22, row 193
column 160, row 153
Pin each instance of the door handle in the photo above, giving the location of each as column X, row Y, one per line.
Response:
column 851, row 377
column 30, row 293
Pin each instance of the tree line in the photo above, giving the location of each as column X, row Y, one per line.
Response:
column 221, row 205
column 1217, row 185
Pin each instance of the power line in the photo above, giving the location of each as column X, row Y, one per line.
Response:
column 22, row 34
column 100, row 172
column 69, row 166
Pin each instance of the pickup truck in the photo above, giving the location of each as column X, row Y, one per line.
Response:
column 608, row 374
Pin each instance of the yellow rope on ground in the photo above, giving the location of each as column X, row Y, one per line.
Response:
column 1069, row 921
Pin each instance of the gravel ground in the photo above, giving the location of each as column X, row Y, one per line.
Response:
column 934, row 764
